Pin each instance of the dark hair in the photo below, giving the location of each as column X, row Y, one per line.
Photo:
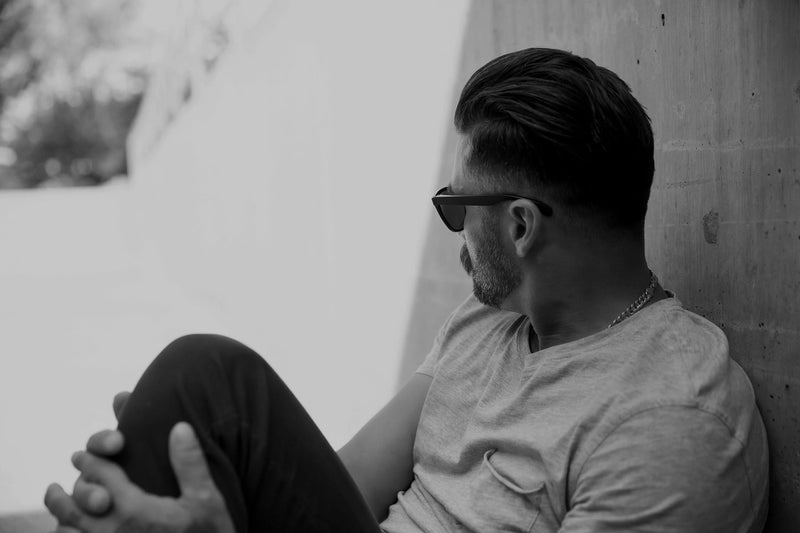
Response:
column 572, row 129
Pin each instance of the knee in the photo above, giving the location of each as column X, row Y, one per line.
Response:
column 206, row 354
column 200, row 344
column 211, row 381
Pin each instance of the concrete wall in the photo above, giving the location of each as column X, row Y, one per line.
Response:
column 721, row 82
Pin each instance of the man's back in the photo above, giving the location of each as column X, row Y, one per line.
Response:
column 646, row 426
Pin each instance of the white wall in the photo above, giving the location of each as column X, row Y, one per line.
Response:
column 83, row 310
column 293, row 191
column 285, row 205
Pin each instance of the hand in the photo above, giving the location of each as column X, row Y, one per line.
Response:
column 91, row 497
column 199, row 509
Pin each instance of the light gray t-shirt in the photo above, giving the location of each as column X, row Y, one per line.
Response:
column 647, row 426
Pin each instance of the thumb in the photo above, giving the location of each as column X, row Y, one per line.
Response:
column 189, row 463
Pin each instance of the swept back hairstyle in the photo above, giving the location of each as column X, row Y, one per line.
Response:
column 570, row 129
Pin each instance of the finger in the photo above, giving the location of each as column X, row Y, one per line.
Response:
column 102, row 471
column 188, row 462
column 120, row 399
column 90, row 497
column 107, row 442
column 63, row 508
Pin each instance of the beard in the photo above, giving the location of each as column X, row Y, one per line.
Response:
column 494, row 275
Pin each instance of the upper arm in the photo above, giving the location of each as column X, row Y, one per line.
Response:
column 666, row 469
column 380, row 456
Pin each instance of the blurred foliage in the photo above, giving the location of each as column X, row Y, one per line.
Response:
column 72, row 75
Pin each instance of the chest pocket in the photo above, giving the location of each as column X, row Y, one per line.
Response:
column 499, row 503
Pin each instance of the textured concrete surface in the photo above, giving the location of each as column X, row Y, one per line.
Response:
column 721, row 82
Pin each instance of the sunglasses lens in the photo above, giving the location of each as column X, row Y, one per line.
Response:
column 454, row 216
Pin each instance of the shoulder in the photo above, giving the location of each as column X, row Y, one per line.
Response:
column 669, row 403
column 670, row 328
column 671, row 356
column 692, row 332
column 471, row 327
column 681, row 358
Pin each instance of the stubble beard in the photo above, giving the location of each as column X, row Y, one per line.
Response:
column 494, row 275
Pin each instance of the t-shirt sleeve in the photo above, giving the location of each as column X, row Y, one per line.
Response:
column 428, row 366
column 431, row 361
column 676, row 469
column 458, row 319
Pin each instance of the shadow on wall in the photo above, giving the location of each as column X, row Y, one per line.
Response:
column 722, row 88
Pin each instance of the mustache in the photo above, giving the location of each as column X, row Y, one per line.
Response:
column 466, row 261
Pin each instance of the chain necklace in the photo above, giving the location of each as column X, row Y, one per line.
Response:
column 639, row 302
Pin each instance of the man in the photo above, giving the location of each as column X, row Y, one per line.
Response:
column 569, row 393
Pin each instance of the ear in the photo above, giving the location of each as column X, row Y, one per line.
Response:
column 525, row 226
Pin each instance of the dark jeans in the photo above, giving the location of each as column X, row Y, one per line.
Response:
column 267, row 457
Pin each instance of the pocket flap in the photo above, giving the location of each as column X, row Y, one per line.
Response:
column 504, row 479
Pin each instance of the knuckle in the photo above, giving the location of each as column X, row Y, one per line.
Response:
column 95, row 440
column 90, row 465
column 204, row 494
column 105, row 442
column 82, row 493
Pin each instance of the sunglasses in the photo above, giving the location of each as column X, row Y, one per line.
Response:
column 452, row 207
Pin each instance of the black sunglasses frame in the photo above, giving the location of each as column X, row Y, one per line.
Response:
column 441, row 198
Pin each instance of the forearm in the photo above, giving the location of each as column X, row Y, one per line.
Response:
column 378, row 478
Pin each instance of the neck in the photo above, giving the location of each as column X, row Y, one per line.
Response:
column 585, row 294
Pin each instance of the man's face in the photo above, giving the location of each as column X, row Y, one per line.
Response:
column 494, row 273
